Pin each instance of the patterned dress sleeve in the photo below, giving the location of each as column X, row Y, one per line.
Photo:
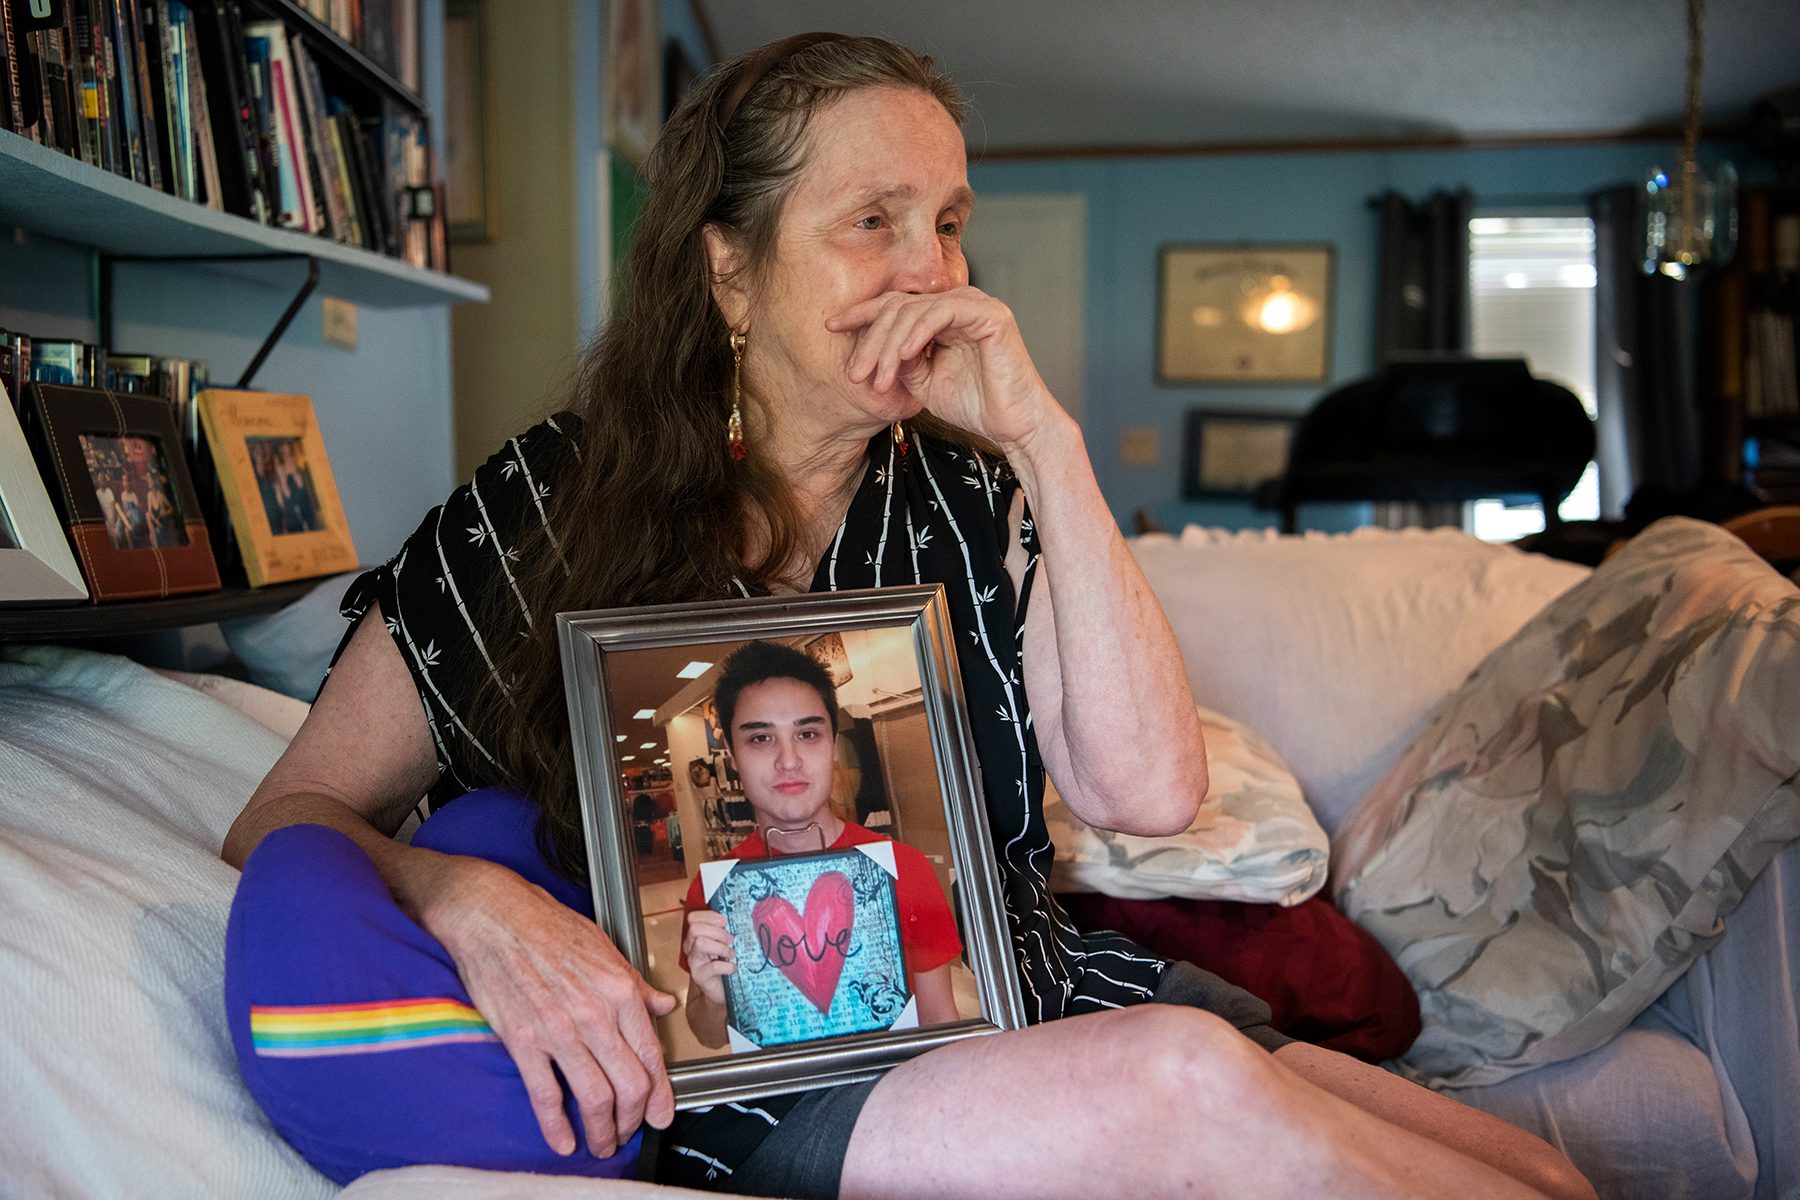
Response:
column 444, row 595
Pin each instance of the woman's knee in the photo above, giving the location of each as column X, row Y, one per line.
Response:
column 1177, row 1059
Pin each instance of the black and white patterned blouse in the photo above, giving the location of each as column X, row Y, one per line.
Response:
column 936, row 513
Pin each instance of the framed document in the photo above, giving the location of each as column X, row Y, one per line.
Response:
column 1233, row 453
column 785, row 830
column 1244, row 314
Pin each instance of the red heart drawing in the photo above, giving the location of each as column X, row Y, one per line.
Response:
column 809, row 950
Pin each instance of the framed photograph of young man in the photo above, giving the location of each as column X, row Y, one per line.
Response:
column 815, row 884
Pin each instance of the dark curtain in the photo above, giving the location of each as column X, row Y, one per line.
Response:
column 1648, row 424
column 1423, row 298
column 1422, row 305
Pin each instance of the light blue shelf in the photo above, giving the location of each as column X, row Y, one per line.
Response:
column 60, row 197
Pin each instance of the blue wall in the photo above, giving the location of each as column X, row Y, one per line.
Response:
column 1136, row 205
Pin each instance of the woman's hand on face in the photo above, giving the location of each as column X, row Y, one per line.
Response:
column 958, row 353
column 561, row 998
column 707, row 948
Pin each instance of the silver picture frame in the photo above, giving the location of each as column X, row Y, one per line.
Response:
column 598, row 650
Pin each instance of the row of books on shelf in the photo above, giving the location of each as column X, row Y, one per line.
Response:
column 25, row 359
column 385, row 31
column 194, row 100
column 1771, row 384
column 1769, row 288
column 127, row 476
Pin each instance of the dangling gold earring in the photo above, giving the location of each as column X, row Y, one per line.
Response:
column 734, row 427
column 899, row 432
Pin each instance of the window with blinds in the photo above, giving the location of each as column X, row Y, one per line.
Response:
column 1531, row 285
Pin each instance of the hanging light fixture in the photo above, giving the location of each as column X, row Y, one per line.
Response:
column 1690, row 216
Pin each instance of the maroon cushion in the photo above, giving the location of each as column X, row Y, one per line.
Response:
column 1329, row 982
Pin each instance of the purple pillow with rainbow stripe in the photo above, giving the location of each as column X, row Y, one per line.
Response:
column 352, row 1028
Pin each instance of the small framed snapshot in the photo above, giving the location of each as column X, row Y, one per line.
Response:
column 1244, row 314
column 468, row 124
column 633, row 77
column 123, row 490
column 817, row 885
column 36, row 563
column 279, row 491
column 1231, row 454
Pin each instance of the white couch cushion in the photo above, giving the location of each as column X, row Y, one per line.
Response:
column 1337, row 647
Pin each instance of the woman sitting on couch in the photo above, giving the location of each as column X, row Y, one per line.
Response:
column 800, row 391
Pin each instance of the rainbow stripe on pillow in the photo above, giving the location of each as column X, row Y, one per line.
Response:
column 317, row 1030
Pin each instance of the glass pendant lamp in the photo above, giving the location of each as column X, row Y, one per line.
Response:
column 1690, row 213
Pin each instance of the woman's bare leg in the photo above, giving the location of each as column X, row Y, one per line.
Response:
column 1468, row 1130
column 1152, row 1101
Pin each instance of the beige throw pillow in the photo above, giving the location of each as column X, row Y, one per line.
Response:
column 1572, row 827
column 1254, row 838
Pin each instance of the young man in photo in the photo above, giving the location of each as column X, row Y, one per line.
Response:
column 778, row 710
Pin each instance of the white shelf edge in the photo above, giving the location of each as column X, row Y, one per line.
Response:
column 91, row 207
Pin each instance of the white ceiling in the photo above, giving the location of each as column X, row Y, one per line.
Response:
column 1072, row 73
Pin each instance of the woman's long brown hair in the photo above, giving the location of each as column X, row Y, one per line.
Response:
column 654, row 510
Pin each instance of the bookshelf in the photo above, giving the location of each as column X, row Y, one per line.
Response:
column 110, row 218
column 54, row 195
column 1749, row 349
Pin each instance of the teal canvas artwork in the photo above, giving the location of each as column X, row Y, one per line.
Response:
column 817, row 939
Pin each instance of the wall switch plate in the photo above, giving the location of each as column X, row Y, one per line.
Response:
column 340, row 322
column 1140, row 446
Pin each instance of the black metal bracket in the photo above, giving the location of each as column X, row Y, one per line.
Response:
column 104, row 296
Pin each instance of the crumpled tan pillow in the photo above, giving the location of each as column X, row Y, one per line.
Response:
column 1254, row 838
column 1572, row 828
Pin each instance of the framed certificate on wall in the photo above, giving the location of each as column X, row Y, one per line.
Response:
column 1244, row 314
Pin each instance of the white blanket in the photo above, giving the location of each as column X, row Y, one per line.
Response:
column 117, row 1076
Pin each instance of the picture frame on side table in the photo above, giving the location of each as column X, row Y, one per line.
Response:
column 269, row 456
column 1231, row 454
column 36, row 564
column 123, row 490
column 825, row 988
column 1244, row 314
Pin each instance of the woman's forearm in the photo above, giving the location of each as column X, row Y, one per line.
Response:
column 1114, row 712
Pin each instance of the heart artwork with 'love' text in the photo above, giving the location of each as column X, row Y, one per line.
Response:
column 809, row 947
